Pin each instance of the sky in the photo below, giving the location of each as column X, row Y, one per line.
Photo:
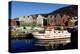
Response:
column 29, row 8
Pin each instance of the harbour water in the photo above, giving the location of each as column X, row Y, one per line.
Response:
column 28, row 45
column 32, row 45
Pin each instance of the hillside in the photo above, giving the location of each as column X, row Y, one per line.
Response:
column 71, row 10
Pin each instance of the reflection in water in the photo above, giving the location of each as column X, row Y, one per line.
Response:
column 49, row 44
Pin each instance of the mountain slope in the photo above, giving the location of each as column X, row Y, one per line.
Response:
column 71, row 10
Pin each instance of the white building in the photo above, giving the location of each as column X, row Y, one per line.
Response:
column 40, row 20
column 25, row 19
column 30, row 19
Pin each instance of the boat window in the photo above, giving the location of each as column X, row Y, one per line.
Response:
column 59, row 32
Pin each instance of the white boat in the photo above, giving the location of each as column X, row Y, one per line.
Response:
column 53, row 34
